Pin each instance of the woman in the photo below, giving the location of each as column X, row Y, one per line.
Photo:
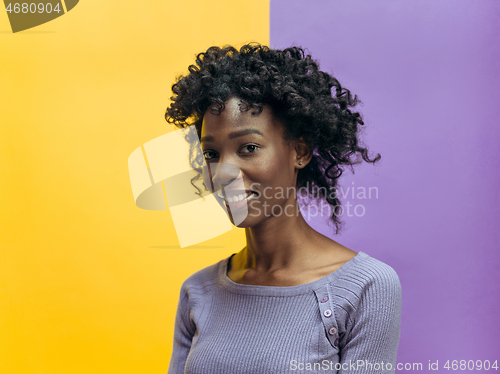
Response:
column 292, row 300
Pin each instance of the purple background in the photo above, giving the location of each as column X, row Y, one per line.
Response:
column 428, row 73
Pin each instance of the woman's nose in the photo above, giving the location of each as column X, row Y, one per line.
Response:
column 222, row 174
column 225, row 173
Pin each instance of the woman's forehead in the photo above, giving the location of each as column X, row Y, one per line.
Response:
column 233, row 117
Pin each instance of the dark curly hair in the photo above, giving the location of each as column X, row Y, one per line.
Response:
column 311, row 103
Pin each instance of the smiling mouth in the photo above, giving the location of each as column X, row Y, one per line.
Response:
column 239, row 200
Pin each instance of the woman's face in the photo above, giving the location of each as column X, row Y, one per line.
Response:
column 247, row 157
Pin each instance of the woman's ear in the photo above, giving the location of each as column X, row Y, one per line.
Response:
column 303, row 153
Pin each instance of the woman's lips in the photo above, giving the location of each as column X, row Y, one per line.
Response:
column 249, row 196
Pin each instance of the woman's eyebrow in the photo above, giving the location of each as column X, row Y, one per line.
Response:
column 233, row 135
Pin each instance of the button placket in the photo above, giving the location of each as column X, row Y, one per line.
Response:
column 327, row 315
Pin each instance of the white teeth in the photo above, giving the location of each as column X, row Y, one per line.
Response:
column 240, row 197
column 252, row 196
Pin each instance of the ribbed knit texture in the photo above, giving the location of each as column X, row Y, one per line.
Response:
column 328, row 326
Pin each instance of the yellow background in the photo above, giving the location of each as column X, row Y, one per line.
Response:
column 89, row 283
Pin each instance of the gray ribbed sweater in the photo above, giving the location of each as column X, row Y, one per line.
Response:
column 346, row 322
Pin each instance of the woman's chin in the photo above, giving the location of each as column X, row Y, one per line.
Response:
column 238, row 217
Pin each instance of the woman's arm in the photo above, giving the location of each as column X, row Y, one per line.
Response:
column 372, row 341
column 183, row 335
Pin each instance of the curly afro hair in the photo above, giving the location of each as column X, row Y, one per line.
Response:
column 311, row 103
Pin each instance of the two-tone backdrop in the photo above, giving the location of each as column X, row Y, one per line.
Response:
column 89, row 282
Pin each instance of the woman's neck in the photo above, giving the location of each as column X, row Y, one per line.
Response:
column 277, row 243
column 288, row 256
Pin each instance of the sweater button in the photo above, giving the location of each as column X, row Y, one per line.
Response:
column 324, row 299
column 336, row 342
column 332, row 331
column 327, row 313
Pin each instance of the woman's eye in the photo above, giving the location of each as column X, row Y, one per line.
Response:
column 207, row 153
column 252, row 148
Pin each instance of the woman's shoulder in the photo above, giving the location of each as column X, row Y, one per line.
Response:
column 371, row 269
column 363, row 274
column 203, row 280
column 364, row 285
